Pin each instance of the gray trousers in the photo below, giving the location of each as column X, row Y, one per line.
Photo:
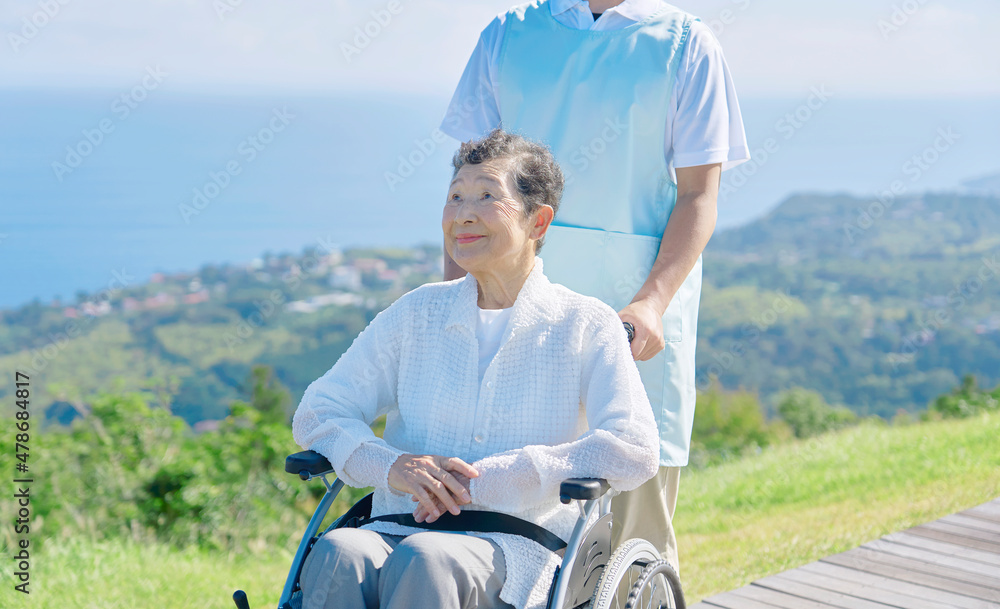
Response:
column 361, row 569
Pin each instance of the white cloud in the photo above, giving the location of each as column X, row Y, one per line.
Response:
column 937, row 52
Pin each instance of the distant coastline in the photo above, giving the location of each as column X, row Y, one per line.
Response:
column 324, row 176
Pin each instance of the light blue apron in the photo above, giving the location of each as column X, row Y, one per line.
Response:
column 599, row 100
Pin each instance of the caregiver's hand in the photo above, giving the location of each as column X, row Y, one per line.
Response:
column 431, row 481
column 648, row 325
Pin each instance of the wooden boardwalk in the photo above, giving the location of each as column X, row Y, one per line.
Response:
column 951, row 563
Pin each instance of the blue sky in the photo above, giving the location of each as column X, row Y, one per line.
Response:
column 775, row 48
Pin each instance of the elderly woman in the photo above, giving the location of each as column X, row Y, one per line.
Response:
column 496, row 387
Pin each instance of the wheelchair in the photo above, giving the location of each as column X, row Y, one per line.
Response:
column 590, row 576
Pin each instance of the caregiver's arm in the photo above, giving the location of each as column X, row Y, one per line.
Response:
column 621, row 446
column 687, row 233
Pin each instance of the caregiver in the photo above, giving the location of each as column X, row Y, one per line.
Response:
column 636, row 103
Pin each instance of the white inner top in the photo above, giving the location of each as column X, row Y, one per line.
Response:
column 489, row 331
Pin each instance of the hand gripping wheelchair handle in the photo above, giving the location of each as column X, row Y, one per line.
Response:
column 582, row 489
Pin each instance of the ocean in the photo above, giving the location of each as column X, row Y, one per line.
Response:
column 99, row 184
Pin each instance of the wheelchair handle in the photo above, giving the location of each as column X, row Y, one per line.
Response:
column 240, row 598
column 630, row 329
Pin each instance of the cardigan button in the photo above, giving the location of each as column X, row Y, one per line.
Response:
column 479, row 438
column 489, row 384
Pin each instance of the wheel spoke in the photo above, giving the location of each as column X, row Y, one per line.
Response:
column 652, row 594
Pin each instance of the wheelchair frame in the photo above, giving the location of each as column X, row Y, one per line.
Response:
column 588, row 563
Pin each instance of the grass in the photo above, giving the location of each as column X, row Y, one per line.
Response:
column 798, row 502
column 121, row 574
column 785, row 507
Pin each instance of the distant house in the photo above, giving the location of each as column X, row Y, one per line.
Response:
column 310, row 305
column 346, row 278
column 96, row 309
column 160, row 299
column 131, row 304
column 388, row 275
column 374, row 265
column 196, row 297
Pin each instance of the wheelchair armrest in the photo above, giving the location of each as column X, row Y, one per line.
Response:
column 582, row 488
column 306, row 464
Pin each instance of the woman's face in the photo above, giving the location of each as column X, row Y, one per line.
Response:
column 484, row 224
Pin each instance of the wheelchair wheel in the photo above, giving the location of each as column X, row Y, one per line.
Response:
column 658, row 587
column 624, row 569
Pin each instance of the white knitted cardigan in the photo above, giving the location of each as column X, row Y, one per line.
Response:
column 562, row 398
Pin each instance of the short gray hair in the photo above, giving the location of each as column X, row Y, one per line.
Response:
column 537, row 176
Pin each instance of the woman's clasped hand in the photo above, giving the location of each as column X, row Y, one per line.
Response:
column 437, row 483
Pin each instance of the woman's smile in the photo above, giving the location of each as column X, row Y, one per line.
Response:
column 468, row 237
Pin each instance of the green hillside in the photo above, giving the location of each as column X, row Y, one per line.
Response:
column 877, row 313
column 816, row 226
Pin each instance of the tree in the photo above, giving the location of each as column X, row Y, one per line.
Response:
column 808, row 414
column 268, row 396
column 966, row 400
column 728, row 424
